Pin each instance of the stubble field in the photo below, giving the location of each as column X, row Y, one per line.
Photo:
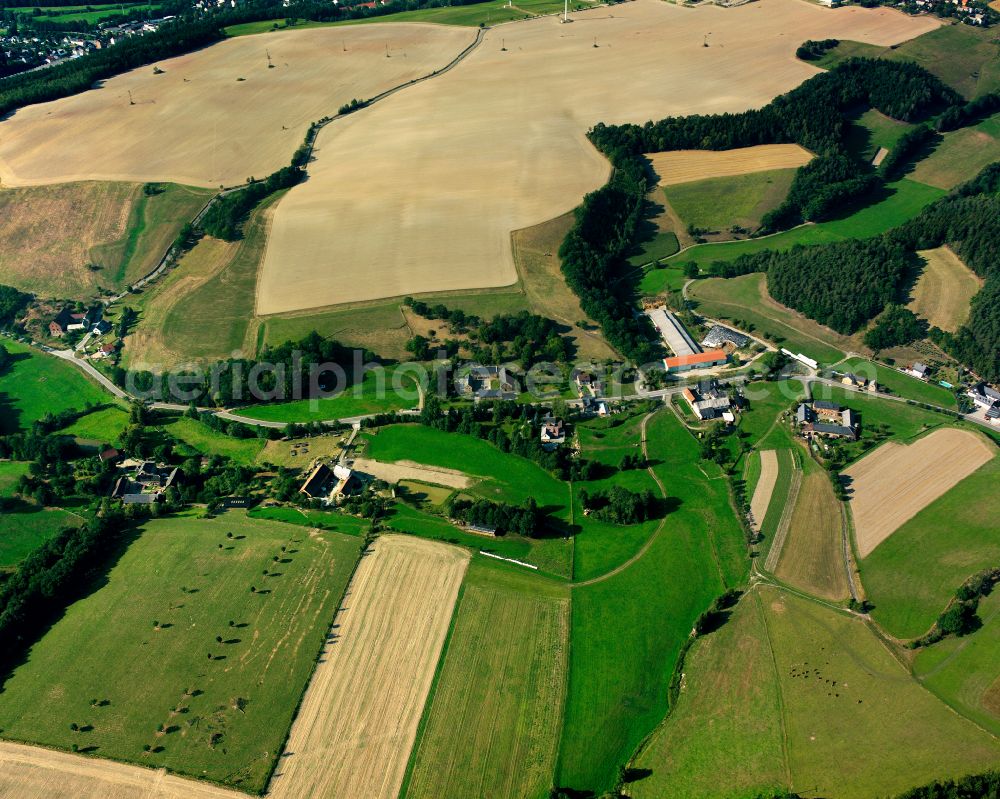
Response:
column 895, row 482
column 30, row 772
column 414, row 214
column 684, row 166
column 358, row 720
column 220, row 129
column 765, row 484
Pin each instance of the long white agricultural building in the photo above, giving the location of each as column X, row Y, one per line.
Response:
column 673, row 332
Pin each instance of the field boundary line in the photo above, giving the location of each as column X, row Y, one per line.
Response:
column 364, row 550
column 425, row 714
column 785, row 522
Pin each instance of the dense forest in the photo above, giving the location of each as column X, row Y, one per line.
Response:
column 845, row 284
column 813, row 115
column 591, row 256
column 841, row 285
column 12, row 302
column 501, row 517
column 524, row 337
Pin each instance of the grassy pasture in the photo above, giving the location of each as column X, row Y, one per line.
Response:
column 725, row 736
column 213, row 318
column 746, row 298
column 506, row 478
column 279, row 453
column 904, row 421
column 601, row 546
column 964, row 671
column 961, row 155
column 206, row 441
column 913, row 573
column 504, row 676
column 177, row 573
column 372, row 395
column 872, row 130
column 627, row 630
column 944, row 289
column 36, row 384
column 491, row 12
column 104, row 426
column 812, row 556
column 49, row 235
column 719, row 203
column 545, row 291
column 904, row 199
column 895, row 382
column 323, row 519
column 381, row 326
column 838, row 681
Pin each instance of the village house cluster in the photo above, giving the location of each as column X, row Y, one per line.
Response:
column 825, row 419
column 141, row 482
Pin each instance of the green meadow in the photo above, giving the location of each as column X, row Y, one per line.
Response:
column 628, row 629
column 911, row 575
column 383, row 392
column 176, row 653
column 36, row 384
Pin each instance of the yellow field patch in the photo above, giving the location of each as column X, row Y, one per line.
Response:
column 685, row 166
column 895, row 482
column 765, row 485
column 424, row 202
column 359, row 716
column 31, row 772
column 219, row 114
column 944, row 289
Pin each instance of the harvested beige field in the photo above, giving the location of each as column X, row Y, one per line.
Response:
column 359, row 717
column 426, row 202
column 407, row 470
column 765, row 485
column 944, row 289
column 199, row 124
column 30, row 772
column 685, row 166
column 895, row 482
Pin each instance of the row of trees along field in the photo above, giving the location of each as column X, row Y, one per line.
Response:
column 225, row 217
